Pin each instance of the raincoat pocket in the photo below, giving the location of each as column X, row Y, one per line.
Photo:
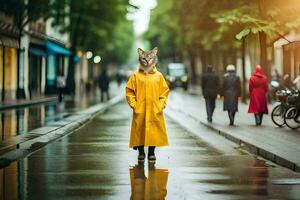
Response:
column 157, row 108
column 140, row 107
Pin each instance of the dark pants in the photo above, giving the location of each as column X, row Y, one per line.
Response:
column 231, row 116
column 60, row 94
column 102, row 95
column 210, row 104
column 142, row 151
column 258, row 118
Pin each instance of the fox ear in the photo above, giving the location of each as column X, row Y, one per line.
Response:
column 154, row 51
column 140, row 51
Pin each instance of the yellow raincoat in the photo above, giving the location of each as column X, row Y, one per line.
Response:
column 147, row 95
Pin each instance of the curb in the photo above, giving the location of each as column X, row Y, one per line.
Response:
column 56, row 131
column 254, row 149
column 28, row 103
column 250, row 147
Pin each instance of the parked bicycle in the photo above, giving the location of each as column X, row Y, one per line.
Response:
column 292, row 115
column 279, row 111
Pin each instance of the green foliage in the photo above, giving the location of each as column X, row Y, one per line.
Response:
column 209, row 24
column 271, row 17
column 98, row 26
column 190, row 26
column 119, row 44
column 164, row 31
column 23, row 12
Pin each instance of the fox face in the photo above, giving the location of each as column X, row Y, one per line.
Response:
column 147, row 59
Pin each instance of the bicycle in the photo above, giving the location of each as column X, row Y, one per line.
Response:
column 279, row 111
column 292, row 115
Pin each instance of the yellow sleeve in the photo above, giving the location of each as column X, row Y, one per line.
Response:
column 130, row 92
column 163, row 93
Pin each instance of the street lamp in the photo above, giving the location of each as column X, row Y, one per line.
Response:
column 97, row 59
column 89, row 55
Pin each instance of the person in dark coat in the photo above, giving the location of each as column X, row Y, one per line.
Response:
column 258, row 87
column 210, row 88
column 231, row 90
column 103, row 81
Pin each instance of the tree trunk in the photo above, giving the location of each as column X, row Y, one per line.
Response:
column 203, row 61
column 263, row 39
column 193, row 67
column 263, row 50
column 243, row 52
column 74, row 39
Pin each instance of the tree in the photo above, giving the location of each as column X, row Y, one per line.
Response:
column 269, row 19
column 164, row 30
column 25, row 11
column 98, row 26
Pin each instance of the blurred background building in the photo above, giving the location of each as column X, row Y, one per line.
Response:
column 40, row 39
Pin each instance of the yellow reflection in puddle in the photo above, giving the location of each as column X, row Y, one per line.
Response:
column 153, row 186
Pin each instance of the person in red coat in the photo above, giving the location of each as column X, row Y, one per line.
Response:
column 258, row 87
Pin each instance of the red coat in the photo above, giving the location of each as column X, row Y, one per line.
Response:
column 258, row 87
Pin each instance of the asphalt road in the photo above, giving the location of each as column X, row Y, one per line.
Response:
column 96, row 163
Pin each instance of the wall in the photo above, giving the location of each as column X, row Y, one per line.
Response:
column 10, row 80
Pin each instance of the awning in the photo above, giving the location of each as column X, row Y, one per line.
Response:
column 37, row 51
column 76, row 59
column 9, row 42
column 55, row 48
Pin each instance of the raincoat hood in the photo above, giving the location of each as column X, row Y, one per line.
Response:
column 259, row 72
column 148, row 70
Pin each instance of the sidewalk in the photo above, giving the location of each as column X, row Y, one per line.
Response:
column 21, row 145
column 280, row 145
column 24, row 102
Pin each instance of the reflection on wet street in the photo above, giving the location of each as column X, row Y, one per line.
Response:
column 19, row 121
column 153, row 186
column 95, row 163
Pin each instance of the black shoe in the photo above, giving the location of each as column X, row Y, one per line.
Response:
column 151, row 158
column 141, row 157
column 257, row 119
column 151, row 166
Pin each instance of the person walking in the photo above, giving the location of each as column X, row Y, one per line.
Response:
column 210, row 88
column 258, row 88
column 286, row 83
column 103, row 82
column 231, row 90
column 147, row 93
column 60, row 84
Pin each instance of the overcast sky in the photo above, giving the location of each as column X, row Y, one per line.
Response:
column 142, row 16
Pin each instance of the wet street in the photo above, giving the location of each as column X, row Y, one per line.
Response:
column 96, row 163
column 22, row 120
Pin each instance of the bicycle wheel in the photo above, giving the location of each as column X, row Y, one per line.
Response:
column 277, row 115
column 291, row 118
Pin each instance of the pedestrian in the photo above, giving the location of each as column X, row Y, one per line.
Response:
column 147, row 93
column 60, row 84
column 119, row 78
column 103, row 82
column 296, row 81
column 258, row 88
column 210, row 88
column 231, row 90
column 286, row 83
